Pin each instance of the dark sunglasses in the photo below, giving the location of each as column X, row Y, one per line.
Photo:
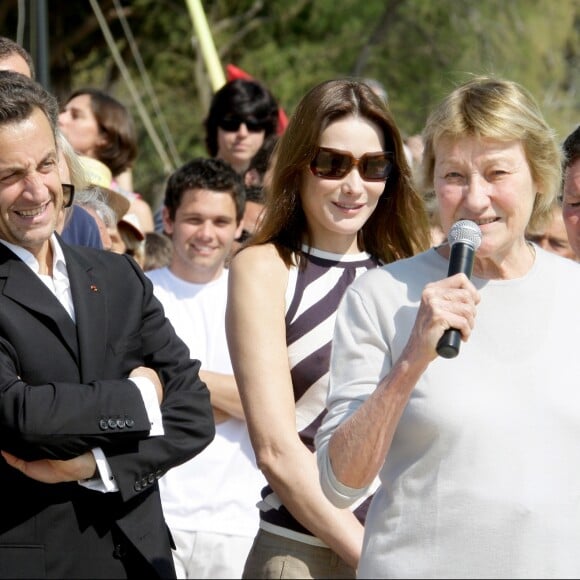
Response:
column 232, row 124
column 333, row 164
column 68, row 194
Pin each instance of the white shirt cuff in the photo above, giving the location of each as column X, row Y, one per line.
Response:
column 149, row 396
column 105, row 481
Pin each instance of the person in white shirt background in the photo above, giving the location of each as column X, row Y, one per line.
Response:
column 210, row 503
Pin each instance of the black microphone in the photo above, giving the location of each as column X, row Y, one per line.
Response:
column 464, row 238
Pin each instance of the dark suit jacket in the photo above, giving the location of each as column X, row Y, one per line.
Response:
column 63, row 391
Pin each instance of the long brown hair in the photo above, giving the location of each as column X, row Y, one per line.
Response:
column 398, row 227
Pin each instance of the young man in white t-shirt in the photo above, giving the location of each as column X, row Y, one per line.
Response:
column 209, row 503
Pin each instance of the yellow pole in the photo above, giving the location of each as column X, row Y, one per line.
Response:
column 205, row 39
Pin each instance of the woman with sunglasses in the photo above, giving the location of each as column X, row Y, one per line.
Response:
column 242, row 114
column 340, row 202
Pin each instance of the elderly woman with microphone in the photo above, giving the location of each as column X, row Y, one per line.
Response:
column 477, row 449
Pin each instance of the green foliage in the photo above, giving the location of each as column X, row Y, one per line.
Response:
column 419, row 49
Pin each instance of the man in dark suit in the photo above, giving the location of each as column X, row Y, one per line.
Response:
column 98, row 396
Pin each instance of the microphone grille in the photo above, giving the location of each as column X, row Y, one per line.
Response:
column 466, row 232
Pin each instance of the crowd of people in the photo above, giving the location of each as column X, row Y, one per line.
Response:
column 244, row 382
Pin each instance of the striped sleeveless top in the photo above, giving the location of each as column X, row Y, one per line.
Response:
column 312, row 298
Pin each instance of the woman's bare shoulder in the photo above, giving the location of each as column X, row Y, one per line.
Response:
column 259, row 271
column 260, row 258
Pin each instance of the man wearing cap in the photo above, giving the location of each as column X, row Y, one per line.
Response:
column 98, row 396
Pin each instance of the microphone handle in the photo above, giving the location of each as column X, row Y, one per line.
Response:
column 460, row 260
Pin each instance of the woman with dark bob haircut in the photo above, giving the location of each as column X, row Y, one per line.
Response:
column 341, row 202
column 242, row 114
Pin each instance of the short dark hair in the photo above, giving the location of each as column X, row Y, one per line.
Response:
column 8, row 47
column 571, row 147
column 205, row 173
column 255, row 193
column 116, row 123
column 20, row 95
column 243, row 98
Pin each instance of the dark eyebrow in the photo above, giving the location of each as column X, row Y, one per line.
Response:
column 50, row 156
column 72, row 108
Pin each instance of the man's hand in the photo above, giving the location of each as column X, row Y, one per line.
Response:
column 152, row 376
column 53, row 470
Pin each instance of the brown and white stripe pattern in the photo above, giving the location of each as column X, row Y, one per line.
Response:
column 313, row 295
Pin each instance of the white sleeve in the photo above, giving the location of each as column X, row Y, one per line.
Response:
column 149, row 395
column 352, row 380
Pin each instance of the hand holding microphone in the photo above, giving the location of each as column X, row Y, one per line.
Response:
column 464, row 239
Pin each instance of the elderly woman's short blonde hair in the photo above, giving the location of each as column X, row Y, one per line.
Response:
column 498, row 109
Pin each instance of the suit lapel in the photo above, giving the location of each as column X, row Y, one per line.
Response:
column 89, row 293
column 23, row 286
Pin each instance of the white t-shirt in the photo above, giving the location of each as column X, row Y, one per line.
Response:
column 217, row 490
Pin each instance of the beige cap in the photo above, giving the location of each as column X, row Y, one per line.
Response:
column 98, row 174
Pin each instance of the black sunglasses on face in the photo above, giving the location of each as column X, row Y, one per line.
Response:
column 232, row 124
column 333, row 164
column 68, row 194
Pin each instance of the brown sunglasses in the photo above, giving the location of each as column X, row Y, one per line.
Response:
column 334, row 164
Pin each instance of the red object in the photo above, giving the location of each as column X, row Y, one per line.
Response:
column 233, row 73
